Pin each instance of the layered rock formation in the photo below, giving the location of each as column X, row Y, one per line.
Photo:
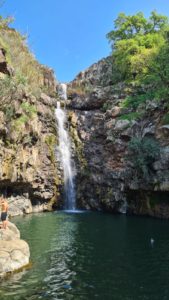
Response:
column 29, row 176
column 14, row 252
column 101, row 129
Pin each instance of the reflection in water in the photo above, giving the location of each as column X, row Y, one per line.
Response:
column 60, row 274
column 92, row 256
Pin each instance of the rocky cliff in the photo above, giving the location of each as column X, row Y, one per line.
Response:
column 29, row 176
column 121, row 146
column 122, row 153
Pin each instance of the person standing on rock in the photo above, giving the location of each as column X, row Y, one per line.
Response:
column 4, row 211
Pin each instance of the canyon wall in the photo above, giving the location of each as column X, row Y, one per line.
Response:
column 121, row 152
column 29, row 173
column 102, row 129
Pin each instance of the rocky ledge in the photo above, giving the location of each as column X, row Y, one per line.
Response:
column 14, row 252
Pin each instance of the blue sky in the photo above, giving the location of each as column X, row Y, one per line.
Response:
column 69, row 35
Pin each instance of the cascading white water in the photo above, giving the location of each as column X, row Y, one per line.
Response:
column 65, row 158
column 123, row 207
column 62, row 91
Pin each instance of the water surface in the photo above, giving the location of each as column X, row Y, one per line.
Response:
column 92, row 256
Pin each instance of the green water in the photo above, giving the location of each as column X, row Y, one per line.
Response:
column 92, row 256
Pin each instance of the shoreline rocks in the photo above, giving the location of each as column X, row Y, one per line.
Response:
column 14, row 252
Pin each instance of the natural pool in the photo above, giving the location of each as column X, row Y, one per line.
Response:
column 92, row 256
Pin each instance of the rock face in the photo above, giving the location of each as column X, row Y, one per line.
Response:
column 49, row 80
column 29, row 174
column 101, row 129
column 14, row 252
column 99, row 74
column 28, row 168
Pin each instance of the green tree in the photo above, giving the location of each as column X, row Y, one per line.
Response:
column 136, row 41
column 157, row 22
column 133, row 57
column 127, row 27
column 159, row 69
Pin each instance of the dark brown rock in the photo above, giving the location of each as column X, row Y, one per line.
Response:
column 4, row 66
column 105, row 178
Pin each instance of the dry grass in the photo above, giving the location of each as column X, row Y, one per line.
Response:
column 27, row 69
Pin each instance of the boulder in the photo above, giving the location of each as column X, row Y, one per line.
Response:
column 121, row 125
column 14, row 252
column 19, row 205
column 115, row 111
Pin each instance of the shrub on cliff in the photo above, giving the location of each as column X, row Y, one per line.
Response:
column 142, row 153
column 7, row 90
column 5, row 22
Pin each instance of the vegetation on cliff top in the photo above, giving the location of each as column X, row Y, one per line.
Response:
column 27, row 72
column 140, row 52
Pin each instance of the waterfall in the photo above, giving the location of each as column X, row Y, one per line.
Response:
column 62, row 91
column 65, row 158
column 123, row 207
